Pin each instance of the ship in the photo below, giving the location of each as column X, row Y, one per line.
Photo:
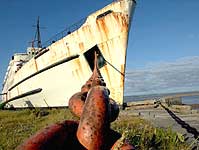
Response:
column 48, row 74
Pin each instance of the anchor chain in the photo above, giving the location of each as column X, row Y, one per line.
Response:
column 96, row 111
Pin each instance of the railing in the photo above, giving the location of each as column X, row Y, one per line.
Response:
column 68, row 30
column 63, row 33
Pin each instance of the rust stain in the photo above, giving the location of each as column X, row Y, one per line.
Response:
column 122, row 77
column 108, row 50
column 78, row 75
column 107, row 73
column 53, row 55
column 121, row 20
column 122, row 69
column 36, row 65
column 79, row 66
column 87, row 32
column 102, row 27
column 81, row 46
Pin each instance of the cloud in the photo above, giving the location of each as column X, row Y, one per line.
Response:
column 164, row 77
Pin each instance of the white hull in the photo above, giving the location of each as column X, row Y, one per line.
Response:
column 58, row 76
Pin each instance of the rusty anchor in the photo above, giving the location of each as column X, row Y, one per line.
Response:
column 96, row 111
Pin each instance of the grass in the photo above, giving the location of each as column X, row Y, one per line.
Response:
column 15, row 126
column 145, row 137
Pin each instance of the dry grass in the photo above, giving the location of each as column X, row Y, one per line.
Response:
column 15, row 126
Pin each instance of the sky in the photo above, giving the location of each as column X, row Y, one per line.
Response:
column 163, row 49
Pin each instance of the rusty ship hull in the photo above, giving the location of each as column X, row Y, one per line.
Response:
column 49, row 77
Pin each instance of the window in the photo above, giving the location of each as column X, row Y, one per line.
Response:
column 90, row 56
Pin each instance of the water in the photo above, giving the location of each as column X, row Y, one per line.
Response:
column 190, row 100
column 185, row 99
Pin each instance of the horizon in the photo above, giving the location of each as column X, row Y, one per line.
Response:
column 185, row 92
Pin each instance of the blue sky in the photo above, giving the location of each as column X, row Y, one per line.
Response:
column 164, row 34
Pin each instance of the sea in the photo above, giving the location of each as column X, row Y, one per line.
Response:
column 190, row 100
column 185, row 99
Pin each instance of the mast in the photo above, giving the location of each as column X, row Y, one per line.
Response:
column 38, row 35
